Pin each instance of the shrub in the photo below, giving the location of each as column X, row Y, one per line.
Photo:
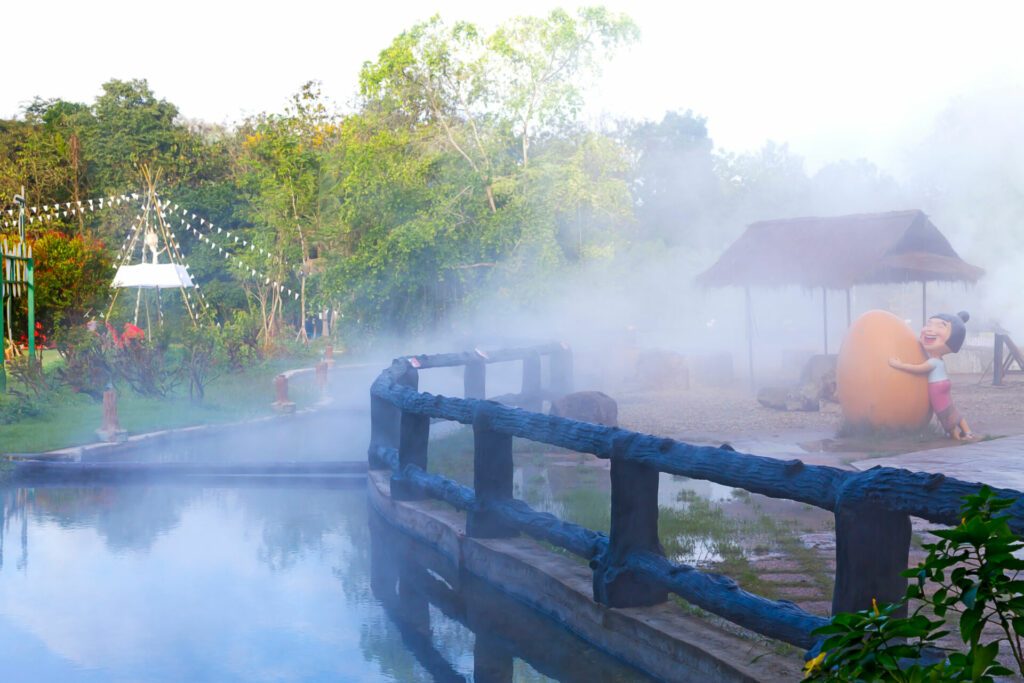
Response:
column 203, row 352
column 142, row 362
column 241, row 340
column 87, row 360
column 974, row 571
column 16, row 408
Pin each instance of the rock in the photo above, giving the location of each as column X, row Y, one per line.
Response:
column 587, row 406
column 713, row 369
column 817, row 385
column 781, row 398
column 818, row 377
column 661, row 369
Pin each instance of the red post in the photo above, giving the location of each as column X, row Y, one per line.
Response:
column 281, row 403
column 321, row 377
column 110, row 429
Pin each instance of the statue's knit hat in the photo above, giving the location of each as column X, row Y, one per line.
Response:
column 958, row 330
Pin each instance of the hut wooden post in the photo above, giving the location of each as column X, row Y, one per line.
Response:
column 750, row 336
column 924, row 302
column 997, row 361
column 824, row 316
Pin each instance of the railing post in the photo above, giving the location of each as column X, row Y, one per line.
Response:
column 997, row 361
column 281, row 403
column 531, row 390
column 492, row 475
column 634, row 528
column 492, row 659
column 561, row 371
column 412, row 450
column 475, row 380
column 872, row 551
column 321, row 378
column 385, row 418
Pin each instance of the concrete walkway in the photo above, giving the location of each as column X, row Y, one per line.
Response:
column 999, row 462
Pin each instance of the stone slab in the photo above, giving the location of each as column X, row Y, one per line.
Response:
column 999, row 462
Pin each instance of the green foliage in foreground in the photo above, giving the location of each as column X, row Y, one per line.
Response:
column 970, row 572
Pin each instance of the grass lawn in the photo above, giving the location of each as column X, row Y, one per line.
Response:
column 68, row 419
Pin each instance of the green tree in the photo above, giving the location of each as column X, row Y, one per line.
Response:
column 677, row 192
column 130, row 128
column 542, row 64
column 73, row 277
column 284, row 172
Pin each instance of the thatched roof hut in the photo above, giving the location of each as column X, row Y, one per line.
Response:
column 839, row 252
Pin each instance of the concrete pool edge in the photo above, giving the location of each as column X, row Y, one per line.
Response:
column 285, row 429
column 661, row 640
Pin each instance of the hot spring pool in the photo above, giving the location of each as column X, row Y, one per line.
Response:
column 186, row 583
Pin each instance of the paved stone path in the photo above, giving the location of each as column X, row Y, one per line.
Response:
column 999, row 462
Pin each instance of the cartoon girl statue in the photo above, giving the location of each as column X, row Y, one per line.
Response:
column 942, row 334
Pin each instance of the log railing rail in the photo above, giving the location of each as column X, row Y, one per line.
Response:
column 872, row 508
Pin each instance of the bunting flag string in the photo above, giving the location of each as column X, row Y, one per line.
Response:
column 57, row 211
column 185, row 219
column 172, row 239
column 124, row 255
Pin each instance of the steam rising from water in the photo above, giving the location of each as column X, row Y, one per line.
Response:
column 966, row 172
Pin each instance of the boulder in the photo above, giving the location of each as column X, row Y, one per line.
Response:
column 587, row 406
column 818, row 377
column 661, row 369
column 782, row 398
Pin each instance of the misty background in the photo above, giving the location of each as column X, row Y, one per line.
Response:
column 484, row 217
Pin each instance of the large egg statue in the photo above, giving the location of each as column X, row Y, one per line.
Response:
column 872, row 394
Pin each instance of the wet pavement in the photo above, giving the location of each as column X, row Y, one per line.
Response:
column 997, row 462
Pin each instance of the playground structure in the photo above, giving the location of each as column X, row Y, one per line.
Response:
column 147, row 235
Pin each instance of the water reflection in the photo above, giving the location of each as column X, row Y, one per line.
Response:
column 182, row 583
column 461, row 629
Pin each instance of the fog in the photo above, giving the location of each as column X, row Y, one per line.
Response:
column 965, row 171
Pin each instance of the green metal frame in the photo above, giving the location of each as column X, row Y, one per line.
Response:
column 10, row 283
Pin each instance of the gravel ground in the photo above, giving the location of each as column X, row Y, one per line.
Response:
column 732, row 414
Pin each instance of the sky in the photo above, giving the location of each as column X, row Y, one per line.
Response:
column 833, row 79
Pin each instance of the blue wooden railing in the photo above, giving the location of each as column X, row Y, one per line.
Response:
column 872, row 508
